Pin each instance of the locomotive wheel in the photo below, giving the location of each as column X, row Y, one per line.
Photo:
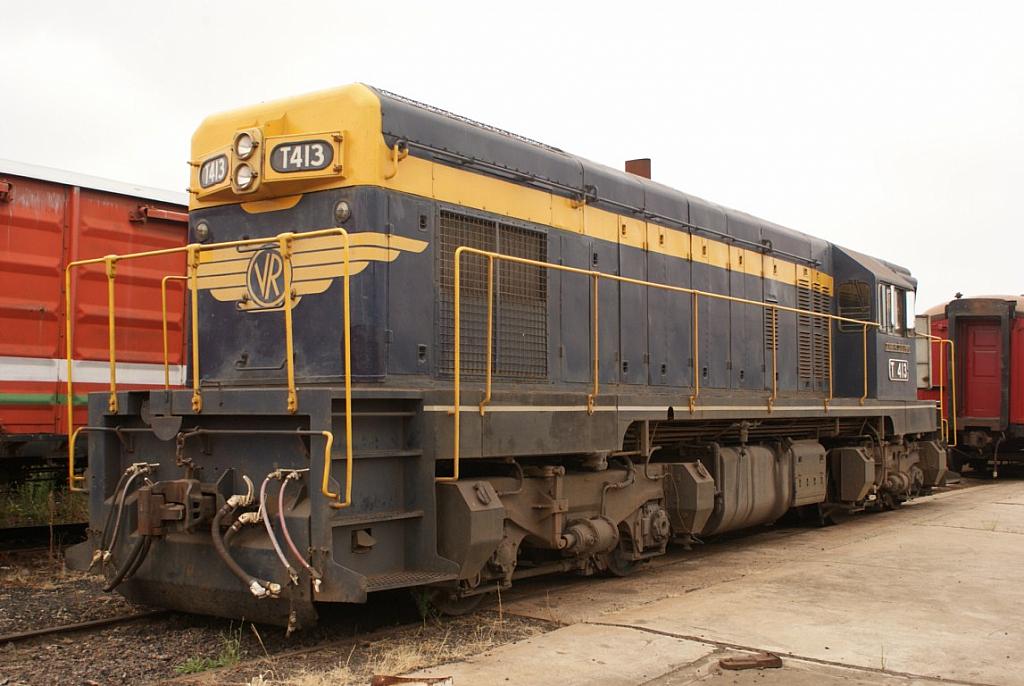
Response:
column 618, row 565
column 447, row 603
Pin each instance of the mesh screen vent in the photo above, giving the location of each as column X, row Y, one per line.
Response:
column 520, row 334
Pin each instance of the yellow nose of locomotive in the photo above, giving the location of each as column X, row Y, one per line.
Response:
column 286, row 147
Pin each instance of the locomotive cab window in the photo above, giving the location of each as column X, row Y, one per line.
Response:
column 854, row 303
column 894, row 317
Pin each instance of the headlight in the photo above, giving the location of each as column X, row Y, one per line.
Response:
column 342, row 212
column 244, row 176
column 202, row 232
column 244, row 145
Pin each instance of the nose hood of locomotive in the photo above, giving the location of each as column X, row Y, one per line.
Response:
column 242, row 289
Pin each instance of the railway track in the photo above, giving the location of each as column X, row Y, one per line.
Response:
column 78, row 626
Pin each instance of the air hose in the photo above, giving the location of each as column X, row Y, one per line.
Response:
column 133, row 472
column 317, row 578
column 258, row 587
column 97, row 554
column 141, row 558
column 292, row 574
column 130, row 564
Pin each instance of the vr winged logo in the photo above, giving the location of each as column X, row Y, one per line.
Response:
column 254, row 277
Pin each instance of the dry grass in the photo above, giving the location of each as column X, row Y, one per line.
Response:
column 431, row 644
column 41, row 573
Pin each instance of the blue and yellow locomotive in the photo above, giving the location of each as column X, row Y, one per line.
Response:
column 428, row 353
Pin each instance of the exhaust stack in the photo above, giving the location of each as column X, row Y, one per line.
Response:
column 640, row 167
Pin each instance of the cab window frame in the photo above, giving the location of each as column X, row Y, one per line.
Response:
column 854, row 302
column 891, row 310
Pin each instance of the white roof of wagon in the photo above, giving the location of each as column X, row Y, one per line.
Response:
column 32, row 171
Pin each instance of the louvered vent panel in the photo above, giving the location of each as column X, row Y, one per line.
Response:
column 805, row 334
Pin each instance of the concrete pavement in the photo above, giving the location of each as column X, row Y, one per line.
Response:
column 925, row 594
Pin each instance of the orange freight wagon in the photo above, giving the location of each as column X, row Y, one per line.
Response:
column 49, row 218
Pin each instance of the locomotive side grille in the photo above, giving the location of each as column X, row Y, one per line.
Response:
column 771, row 336
column 521, row 312
column 520, row 333
column 456, row 230
column 812, row 335
column 822, row 303
column 805, row 334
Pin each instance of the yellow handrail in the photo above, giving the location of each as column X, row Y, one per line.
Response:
column 944, row 423
column 193, row 282
column 865, row 396
column 72, row 477
column 828, row 400
column 774, row 315
column 952, row 395
column 110, row 268
column 596, row 276
column 696, row 353
column 490, row 333
column 285, row 248
column 325, row 486
column 163, row 324
column 193, row 252
column 592, row 397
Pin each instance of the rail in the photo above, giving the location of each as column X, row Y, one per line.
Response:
column 595, row 387
column 944, row 423
column 163, row 324
column 193, row 254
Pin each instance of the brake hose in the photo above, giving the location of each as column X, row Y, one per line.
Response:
column 317, row 578
column 120, row 509
column 258, row 588
column 128, row 564
column 292, row 574
column 98, row 553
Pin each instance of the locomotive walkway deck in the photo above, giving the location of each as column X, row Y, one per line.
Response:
column 927, row 594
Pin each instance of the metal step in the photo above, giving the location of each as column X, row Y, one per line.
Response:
column 383, row 582
column 384, row 453
column 374, row 517
column 374, row 413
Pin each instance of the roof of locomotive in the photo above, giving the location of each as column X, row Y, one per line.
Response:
column 32, row 171
column 436, row 133
column 940, row 309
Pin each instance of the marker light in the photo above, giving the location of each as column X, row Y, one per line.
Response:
column 244, row 176
column 244, row 145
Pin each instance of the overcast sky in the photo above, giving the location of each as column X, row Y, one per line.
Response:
column 894, row 128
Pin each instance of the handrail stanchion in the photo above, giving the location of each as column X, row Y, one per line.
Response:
column 163, row 322
column 490, row 334
column 952, row 390
column 456, row 362
column 596, row 362
column 865, row 396
column 193, row 277
column 347, row 324
column 695, row 306
column 285, row 247
column 69, row 398
column 773, row 314
column 828, row 400
column 942, row 388
column 110, row 266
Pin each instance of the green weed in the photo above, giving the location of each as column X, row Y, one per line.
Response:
column 41, row 502
column 230, row 654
